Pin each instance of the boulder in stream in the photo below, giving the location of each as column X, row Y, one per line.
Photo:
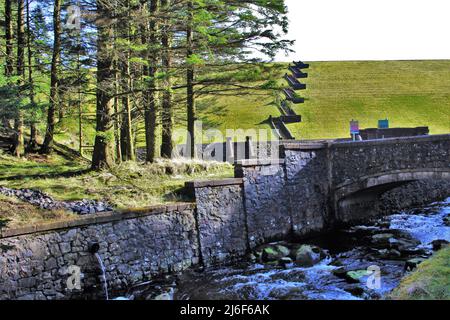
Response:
column 413, row 263
column 286, row 262
column 308, row 256
column 447, row 221
column 354, row 276
column 439, row 244
column 382, row 240
column 274, row 253
column 389, row 254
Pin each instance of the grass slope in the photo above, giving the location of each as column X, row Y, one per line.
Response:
column 431, row 280
column 409, row 93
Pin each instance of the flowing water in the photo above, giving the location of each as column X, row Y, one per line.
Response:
column 103, row 269
column 354, row 249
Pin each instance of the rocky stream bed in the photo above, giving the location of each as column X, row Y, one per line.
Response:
column 362, row 262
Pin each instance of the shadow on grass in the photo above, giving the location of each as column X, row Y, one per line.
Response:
column 67, row 174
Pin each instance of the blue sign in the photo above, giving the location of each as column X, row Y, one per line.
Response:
column 383, row 124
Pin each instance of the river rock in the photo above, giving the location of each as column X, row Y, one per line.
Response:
column 307, row 256
column 286, row 262
column 350, row 276
column 355, row 290
column 413, row 263
column 274, row 253
column 356, row 275
column 439, row 244
column 447, row 221
column 337, row 263
column 389, row 254
column 404, row 244
column 382, row 240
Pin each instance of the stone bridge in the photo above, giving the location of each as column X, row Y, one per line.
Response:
column 313, row 187
column 362, row 171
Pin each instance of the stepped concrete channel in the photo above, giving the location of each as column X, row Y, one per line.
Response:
column 312, row 189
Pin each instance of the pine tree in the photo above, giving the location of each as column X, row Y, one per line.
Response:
column 47, row 147
column 103, row 155
column 19, row 144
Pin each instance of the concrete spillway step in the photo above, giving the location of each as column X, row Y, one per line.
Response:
column 301, row 65
column 292, row 96
column 280, row 129
column 294, row 83
column 291, row 119
column 286, row 110
column 284, row 131
column 297, row 73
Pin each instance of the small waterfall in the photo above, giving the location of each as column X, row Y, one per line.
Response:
column 102, row 266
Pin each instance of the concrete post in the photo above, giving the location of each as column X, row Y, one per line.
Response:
column 229, row 150
column 249, row 151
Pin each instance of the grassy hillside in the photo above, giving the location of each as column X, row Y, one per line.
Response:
column 409, row 93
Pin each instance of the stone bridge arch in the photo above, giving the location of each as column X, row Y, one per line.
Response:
column 360, row 172
column 362, row 196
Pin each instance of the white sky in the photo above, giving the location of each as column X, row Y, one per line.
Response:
column 369, row 29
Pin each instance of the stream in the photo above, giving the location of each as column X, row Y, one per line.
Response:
column 359, row 263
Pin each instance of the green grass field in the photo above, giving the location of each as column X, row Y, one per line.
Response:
column 409, row 93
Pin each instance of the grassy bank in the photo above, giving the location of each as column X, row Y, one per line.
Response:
column 129, row 185
column 431, row 280
column 16, row 213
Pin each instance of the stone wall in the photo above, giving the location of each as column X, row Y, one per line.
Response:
column 266, row 200
column 414, row 194
column 308, row 188
column 222, row 220
column 287, row 198
column 154, row 242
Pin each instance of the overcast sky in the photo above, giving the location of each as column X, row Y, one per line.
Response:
column 369, row 29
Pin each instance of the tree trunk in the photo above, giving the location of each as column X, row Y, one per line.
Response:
column 9, row 60
column 9, row 64
column 126, row 134
column 33, row 130
column 190, row 102
column 47, row 147
column 19, row 145
column 167, row 111
column 103, row 156
column 21, row 38
column 151, row 95
column 117, row 118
